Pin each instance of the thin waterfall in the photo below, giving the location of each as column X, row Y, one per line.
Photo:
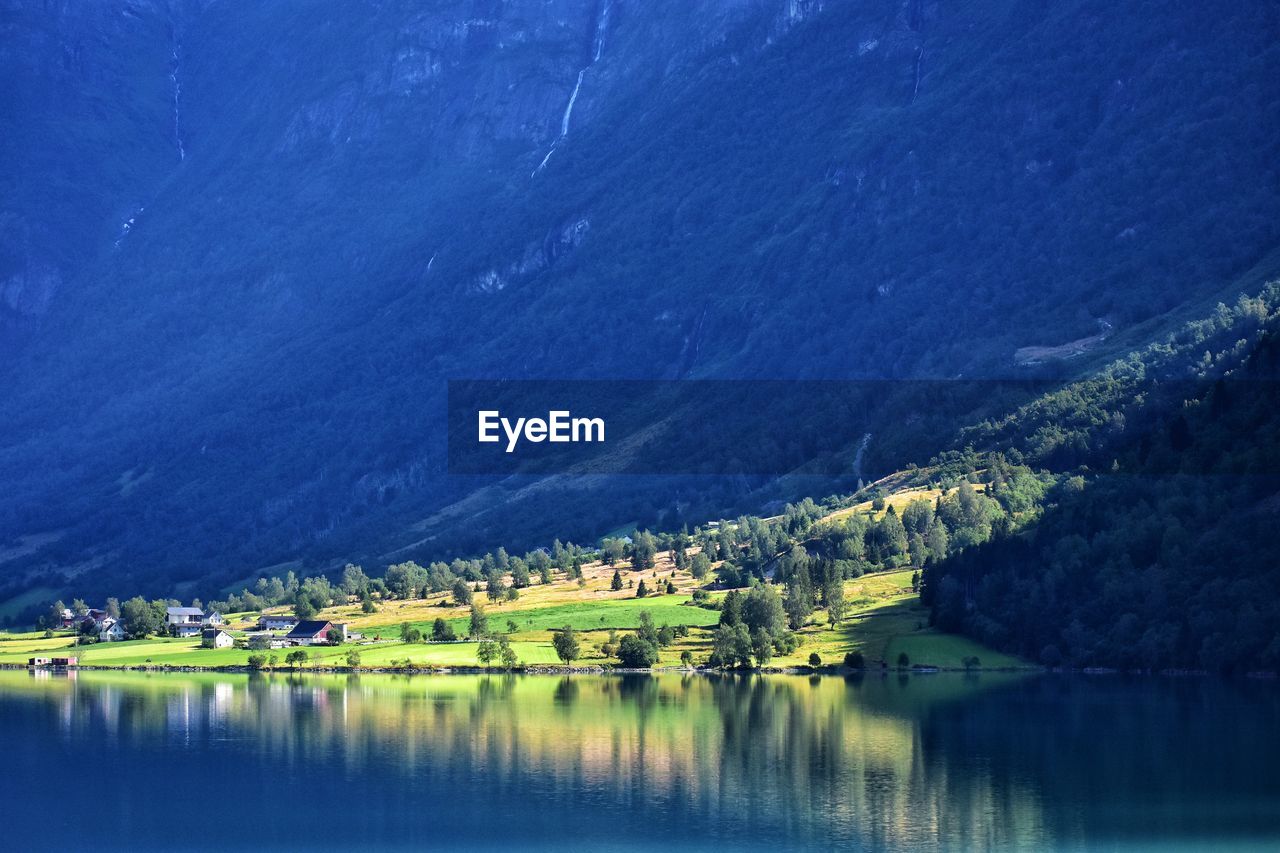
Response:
column 597, row 50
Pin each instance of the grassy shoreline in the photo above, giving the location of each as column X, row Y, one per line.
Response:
column 884, row 620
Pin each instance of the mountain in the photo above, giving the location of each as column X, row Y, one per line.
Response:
column 246, row 247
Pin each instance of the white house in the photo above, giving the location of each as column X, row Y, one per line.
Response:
column 216, row 638
column 110, row 630
column 183, row 621
column 213, row 619
column 278, row 622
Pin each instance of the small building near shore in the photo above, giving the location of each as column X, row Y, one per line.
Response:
column 216, row 638
column 313, row 632
column 110, row 631
column 52, row 662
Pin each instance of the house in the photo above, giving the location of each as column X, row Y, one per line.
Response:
column 213, row 619
column 277, row 622
column 216, row 638
column 313, row 632
column 110, row 630
column 178, row 617
column 54, row 662
column 68, row 618
column 265, row 640
column 39, row 661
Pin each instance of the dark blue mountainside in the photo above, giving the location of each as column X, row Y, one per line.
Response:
column 245, row 245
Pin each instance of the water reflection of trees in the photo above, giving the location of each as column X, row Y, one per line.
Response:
column 878, row 760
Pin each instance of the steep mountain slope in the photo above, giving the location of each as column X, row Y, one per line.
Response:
column 336, row 209
column 1159, row 551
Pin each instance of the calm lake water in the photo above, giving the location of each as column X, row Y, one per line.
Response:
column 149, row 762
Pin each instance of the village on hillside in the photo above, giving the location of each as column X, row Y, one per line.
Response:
column 272, row 631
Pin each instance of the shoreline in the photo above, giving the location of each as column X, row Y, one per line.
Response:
column 542, row 669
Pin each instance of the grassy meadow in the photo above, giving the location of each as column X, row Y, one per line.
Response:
column 883, row 619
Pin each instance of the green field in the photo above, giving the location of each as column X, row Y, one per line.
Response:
column 172, row 652
column 620, row 614
column 884, row 619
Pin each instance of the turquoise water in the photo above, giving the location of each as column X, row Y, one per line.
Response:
column 124, row 761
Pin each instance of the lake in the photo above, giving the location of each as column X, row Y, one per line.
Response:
column 114, row 760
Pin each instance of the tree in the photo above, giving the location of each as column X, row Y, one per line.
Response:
column 540, row 565
column 334, row 636
column 762, row 611
column 79, row 608
column 731, row 608
column 903, row 660
column 442, row 631
column 519, row 573
column 731, row 645
column 616, row 583
column 113, row 608
column 366, row 603
column 918, row 550
column 495, row 585
column 643, row 551
column 728, row 575
column 404, row 580
column 565, row 643
column 815, row 660
column 936, row 540
column 298, row 657
column 612, row 550
column 642, row 590
column 799, row 602
column 304, row 609
column 461, row 593
column 506, row 655
column 671, row 588
column 354, row 581
column 686, row 659
column 647, row 631
column 409, row 633
column 487, row 651
column 761, row 646
column 854, row 660
column 257, row 661
column 353, row 658
column 140, row 618
column 918, row 516
column 833, row 595
column 479, row 620
column 635, row 653
column 54, row 617
column 699, row 566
